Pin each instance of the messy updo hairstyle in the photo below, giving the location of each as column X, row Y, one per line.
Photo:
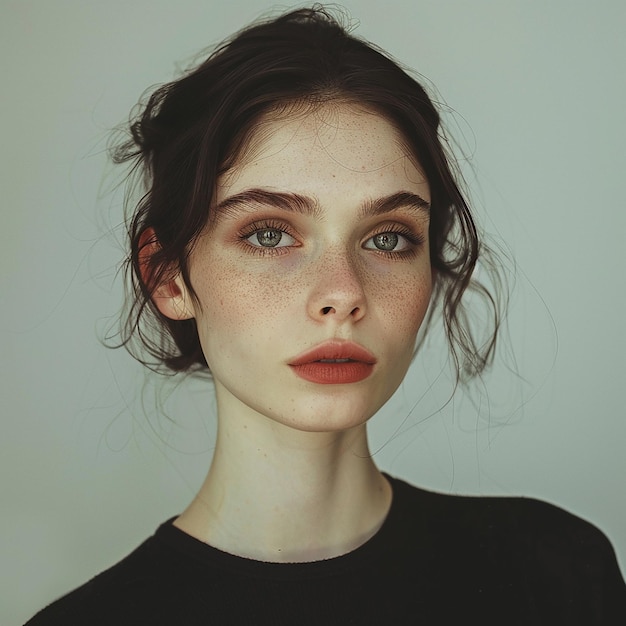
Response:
column 190, row 131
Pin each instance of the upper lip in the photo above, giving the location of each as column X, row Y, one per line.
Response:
column 334, row 349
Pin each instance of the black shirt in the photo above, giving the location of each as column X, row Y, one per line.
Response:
column 437, row 559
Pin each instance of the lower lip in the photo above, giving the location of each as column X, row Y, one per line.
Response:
column 333, row 373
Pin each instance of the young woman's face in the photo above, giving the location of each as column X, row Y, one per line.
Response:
column 321, row 241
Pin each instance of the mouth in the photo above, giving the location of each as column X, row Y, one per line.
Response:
column 334, row 362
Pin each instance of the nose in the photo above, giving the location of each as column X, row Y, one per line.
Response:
column 338, row 293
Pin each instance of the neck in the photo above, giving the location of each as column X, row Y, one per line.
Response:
column 274, row 493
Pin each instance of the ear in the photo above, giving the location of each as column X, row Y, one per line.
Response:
column 171, row 298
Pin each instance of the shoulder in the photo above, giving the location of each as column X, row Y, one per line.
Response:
column 518, row 519
column 130, row 592
column 509, row 544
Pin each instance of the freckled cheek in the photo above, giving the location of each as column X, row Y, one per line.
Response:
column 240, row 302
column 402, row 302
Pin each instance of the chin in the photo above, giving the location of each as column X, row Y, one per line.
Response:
column 330, row 416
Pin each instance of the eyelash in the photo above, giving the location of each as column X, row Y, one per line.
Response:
column 414, row 240
column 260, row 225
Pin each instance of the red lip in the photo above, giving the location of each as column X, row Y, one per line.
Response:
column 320, row 365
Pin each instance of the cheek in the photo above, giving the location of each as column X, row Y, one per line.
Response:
column 402, row 302
column 240, row 305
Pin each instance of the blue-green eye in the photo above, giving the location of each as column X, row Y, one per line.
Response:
column 270, row 238
column 387, row 242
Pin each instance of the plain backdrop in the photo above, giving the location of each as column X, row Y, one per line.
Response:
column 534, row 95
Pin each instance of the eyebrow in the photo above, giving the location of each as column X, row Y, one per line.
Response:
column 393, row 202
column 308, row 206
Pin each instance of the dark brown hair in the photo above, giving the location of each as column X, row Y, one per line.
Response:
column 191, row 130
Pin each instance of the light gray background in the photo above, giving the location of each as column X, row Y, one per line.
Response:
column 538, row 88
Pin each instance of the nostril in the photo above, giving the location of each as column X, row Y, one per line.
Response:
column 327, row 309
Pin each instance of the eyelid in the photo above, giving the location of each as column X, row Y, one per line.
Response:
column 250, row 229
column 413, row 240
column 407, row 246
column 412, row 235
column 286, row 244
column 266, row 224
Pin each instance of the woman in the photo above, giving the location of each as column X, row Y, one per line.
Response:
column 301, row 226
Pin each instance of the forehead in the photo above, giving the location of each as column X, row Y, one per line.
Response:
column 329, row 147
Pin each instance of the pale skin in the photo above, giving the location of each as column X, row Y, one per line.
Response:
column 292, row 478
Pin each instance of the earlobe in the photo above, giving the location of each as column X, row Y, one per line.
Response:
column 170, row 296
